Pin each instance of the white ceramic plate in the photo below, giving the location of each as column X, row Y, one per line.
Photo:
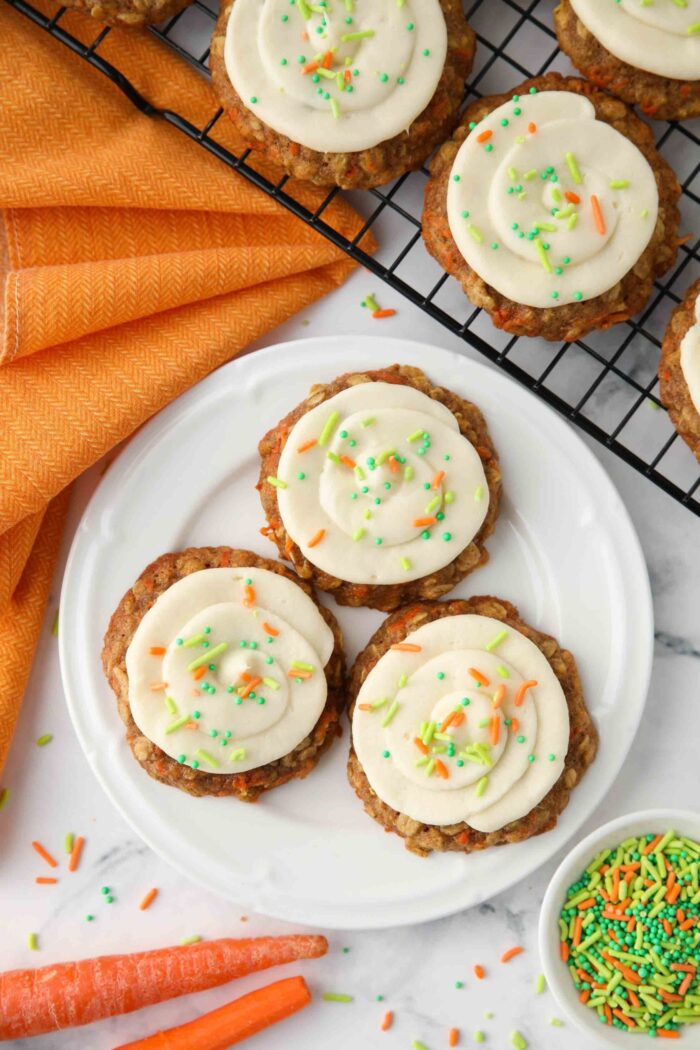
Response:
column 559, row 980
column 564, row 551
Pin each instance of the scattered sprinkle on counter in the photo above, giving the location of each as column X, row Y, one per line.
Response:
column 512, row 953
column 45, row 855
column 4, row 797
column 76, row 853
column 519, row 1041
column 68, row 842
column 193, row 939
column 371, row 304
column 148, row 899
column 630, row 936
column 453, row 1037
column 45, row 739
column 337, row 997
column 387, row 1021
column 32, row 942
column 540, row 984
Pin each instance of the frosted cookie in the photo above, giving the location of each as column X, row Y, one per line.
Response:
column 228, row 673
column 645, row 53
column 469, row 727
column 552, row 208
column 129, row 13
column 381, row 487
column 679, row 368
column 345, row 92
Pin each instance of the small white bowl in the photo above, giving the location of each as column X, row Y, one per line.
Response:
column 558, row 978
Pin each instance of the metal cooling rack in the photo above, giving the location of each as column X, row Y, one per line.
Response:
column 605, row 384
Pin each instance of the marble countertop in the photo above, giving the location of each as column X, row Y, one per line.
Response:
column 415, row 969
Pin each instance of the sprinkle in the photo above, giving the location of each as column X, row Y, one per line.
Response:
column 271, row 683
column 419, row 523
column 475, row 233
column 520, row 695
column 415, row 435
column 45, row 855
column 76, row 853
column 496, row 641
column 148, row 899
column 371, row 303
column 156, row 687
column 317, row 537
column 157, row 650
column 390, row 714
column 406, row 647
column 479, row 1036
column 42, row 741
column 619, row 184
column 597, row 215
column 479, row 972
column 481, row 786
column 193, row 939
column 574, row 169
column 695, row 28
column 44, row 880
column 511, row 953
column 540, row 984
column 532, row 128
column 484, row 136
column 4, row 797
column 200, row 661
column 499, row 696
column 555, row 1022
column 306, row 446
column 237, row 755
column 437, row 480
column 453, row 1037
column 204, row 756
column 249, row 602
column 299, row 665
column 478, row 676
column 335, row 109
column 417, row 1045
column 519, row 1041
column 177, row 724
column 363, row 34
column 495, row 730
column 32, row 942
column 542, row 253
column 277, row 483
column 379, row 314
column 405, row 564
column 68, row 842
column 358, row 533
column 268, row 629
column 387, row 1021
column 368, row 422
column 337, row 997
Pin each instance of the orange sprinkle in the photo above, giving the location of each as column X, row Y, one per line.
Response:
column 680, row 915
column 511, row 953
column 463, row 838
column 250, row 687
column 367, row 707
column 651, row 846
column 520, row 695
column 312, row 66
column 495, row 729
column 378, row 314
column 667, row 1033
column 418, row 523
column 669, row 997
column 387, row 1021
column 199, row 673
column 45, row 855
column 578, row 925
column 296, row 673
column 673, row 894
column 191, row 725
column 350, row 463
column 479, row 972
column 327, row 59
column 624, row 1018
column 347, row 77
column 418, row 742
column 245, row 677
column 43, row 880
column 572, row 197
column 156, row 687
column 157, row 650
column 686, row 983
column 597, row 215
column 478, row 676
column 686, row 925
column 437, row 480
column 268, row 629
column 317, row 537
column 453, row 1037
column 484, row 136
column 74, row 858
column 307, row 445
column 585, row 905
column 633, row 997
column 249, row 599
column 442, row 769
column 608, row 1012
column 585, row 995
column 148, row 899
column 448, row 721
column 406, row 647
column 564, row 951
column 514, row 725
column 683, row 967
column 393, row 464
column 499, row 696
column 532, row 128
column 667, row 927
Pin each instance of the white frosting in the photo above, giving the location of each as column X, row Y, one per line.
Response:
column 662, row 37
column 507, row 205
column 228, row 733
column 493, row 786
column 690, row 358
column 386, row 519
column 393, row 70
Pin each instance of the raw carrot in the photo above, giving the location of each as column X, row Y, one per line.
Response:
column 231, row 1023
column 69, row 994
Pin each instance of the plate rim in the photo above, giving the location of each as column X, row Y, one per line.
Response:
column 422, row 908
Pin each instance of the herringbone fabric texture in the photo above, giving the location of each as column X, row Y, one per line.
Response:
column 132, row 264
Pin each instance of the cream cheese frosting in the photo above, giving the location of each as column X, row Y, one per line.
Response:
column 377, row 485
column 463, row 721
column 225, row 669
column 547, row 204
column 661, row 37
column 337, row 75
column 690, row 358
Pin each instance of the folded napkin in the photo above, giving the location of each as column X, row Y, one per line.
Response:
column 132, row 264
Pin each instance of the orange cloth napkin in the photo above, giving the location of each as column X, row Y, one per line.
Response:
column 132, row 264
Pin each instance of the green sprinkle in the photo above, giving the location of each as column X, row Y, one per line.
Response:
column 556, row 1023
column 358, row 533
column 170, row 704
column 276, row 483
column 362, row 34
column 415, row 435
column 54, row 626
column 337, row 997
column 644, row 213
column 237, row 755
column 578, row 296
column 178, row 724
column 193, row 939
column 540, row 984
column 619, row 184
column 204, row 756
column 475, row 233
column 531, row 174
column 417, row 1045
column 32, row 942
column 481, row 786
column 45, row 739
column 393, row 708
column 695, row 28
column 496, row 641
column 369, row 421
column 335, row 108
column 405, row 564
column 68, row 842
column 542, row 253
column 573, row 168
column 479, row 493
column 479, row 1036
column 328, row 428
column 518, row 1041
column 206, row 657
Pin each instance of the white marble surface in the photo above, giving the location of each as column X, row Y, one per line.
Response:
column 415, row 969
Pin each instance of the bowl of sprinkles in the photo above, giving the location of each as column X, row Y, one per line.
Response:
column 620, row 929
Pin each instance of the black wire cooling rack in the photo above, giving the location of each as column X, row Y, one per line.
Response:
column 605, row 384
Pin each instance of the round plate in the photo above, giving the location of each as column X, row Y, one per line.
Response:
column 564, row 552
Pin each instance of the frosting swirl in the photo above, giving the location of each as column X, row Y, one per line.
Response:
column 226, row 669
column 690, row 358
column 464, row 720
column 547, row 204
column 662, row 37
column 378, row 485
column 337, row 75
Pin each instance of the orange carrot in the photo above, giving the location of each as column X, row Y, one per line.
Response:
column 45, row 855
column 148, row 899
column 511, row 953
column 65, row 995
column 231, row 1023
column 74, row 858
column 387, row 1021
